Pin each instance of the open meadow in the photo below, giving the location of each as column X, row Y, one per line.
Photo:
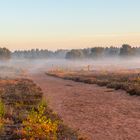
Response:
column 62, row 99
column 23, row 112
column 69, row 69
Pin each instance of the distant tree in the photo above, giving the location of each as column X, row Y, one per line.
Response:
column 75, row 54
column 60, row 53
column 113, row 51
column 86, row 52
column 97, row 52
column 137, row 51
column 126, row 50
column 5, row 54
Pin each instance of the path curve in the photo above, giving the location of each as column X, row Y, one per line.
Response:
column 96, row 112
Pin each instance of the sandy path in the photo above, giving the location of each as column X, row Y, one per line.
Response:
column 98, row 113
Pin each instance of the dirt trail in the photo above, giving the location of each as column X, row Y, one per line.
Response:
column 97, row 112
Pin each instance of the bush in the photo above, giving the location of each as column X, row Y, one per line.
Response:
column 2, row 110
column 2, row 113
column 102, row 82
column 38, row 126
column 116, row 85
column 135, row 90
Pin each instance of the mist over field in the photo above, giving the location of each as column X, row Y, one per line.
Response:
column 108, row 64
column 88, row 59
column 69, row 70
column 43, row 65
column 95, row 58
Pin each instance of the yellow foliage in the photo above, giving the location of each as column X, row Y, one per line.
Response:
column 2, row 109
column 2, row 112
column 37, row 125
column 1, row 125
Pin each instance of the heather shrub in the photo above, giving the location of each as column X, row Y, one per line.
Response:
column 2, row 113
column 38, row 126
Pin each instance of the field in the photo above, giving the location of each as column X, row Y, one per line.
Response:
column 128, row 80
column 69, row 70
column 24, row 114
column 76, row 104
column 101, row 99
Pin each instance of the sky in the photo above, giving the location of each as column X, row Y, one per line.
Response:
column 66, row 24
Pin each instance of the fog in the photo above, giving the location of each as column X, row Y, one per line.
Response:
column 44, row 65
column 109, row 64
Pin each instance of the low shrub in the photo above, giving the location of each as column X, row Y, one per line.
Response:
column 102, row 83
column 2, row 109
column 38, row 126
column 2, row 113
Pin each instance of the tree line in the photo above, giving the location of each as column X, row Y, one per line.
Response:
column 39, row 54
column 102, row 52
column 92, row 53
column 5, row 54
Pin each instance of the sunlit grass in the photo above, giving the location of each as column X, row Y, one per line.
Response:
column 37, row 125
column 2, row 113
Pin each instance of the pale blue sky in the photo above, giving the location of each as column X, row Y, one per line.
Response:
column 56, row 24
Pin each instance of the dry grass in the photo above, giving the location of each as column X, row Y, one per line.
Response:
column 128, row 80
column 20, row 110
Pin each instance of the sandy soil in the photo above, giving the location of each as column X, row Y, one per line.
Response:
column 96, row 112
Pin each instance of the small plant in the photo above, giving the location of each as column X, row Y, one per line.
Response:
column 38, row 126
column 2, row 113
column 2, row 110
column 1, row 125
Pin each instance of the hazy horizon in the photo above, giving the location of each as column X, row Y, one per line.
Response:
column 68, row 24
